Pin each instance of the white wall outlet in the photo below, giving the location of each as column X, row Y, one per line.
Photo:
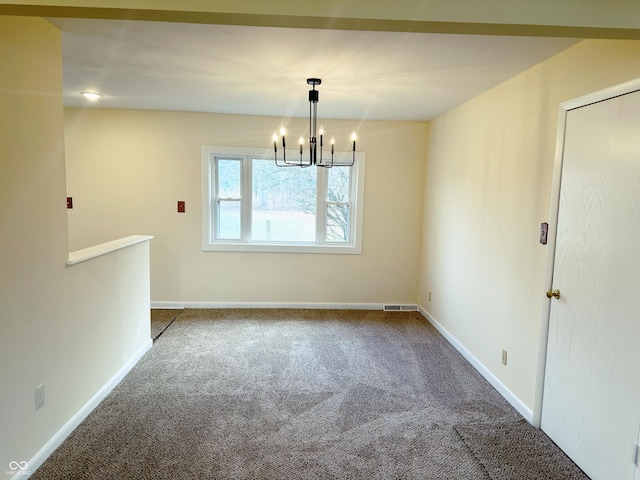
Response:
column 429, row 296
column 39, row 396
column 504, row 357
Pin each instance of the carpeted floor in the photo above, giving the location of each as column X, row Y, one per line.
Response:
column 304, row 394
column 161, row 319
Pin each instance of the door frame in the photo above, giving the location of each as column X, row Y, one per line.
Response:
column 566, row 106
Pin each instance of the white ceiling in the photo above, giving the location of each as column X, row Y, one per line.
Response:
column 263, row 70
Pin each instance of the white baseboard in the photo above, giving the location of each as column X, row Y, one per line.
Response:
column 39, row 458
column 484, row 371
column 302, row 305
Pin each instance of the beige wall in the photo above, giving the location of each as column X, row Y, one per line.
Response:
column 127, row 169
column 488, row 189
column 71, row 328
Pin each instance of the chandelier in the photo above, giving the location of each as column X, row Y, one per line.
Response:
column 315, row 150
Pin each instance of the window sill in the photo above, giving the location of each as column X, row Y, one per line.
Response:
column 347, row 249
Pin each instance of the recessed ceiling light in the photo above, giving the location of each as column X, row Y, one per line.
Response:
column 91, row 96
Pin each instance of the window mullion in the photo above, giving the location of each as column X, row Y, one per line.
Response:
column 247, row 194
column 215, row 198
column 353, row 195
column 212, row 195
column 321, row 205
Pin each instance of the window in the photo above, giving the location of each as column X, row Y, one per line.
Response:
column 250, row 204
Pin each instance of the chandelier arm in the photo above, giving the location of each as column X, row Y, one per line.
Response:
column 353, row 160
column 332, row 148
column 289, row 163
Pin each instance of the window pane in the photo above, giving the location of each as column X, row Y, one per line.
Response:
column 228, row 220
column 229, row 174
column 284, row 203
column 338, row 198
column 338, row 184
column 337, row 222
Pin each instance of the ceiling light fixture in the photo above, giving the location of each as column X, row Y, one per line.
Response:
column 315, row 158
column 91, row 96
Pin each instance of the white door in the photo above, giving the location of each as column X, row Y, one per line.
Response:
column 591, row 405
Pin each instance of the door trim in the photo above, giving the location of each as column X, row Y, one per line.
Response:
column 566, row 106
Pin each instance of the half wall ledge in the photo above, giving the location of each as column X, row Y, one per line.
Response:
column 85, row 254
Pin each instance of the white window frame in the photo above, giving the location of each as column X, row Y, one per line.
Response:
column 353, row 246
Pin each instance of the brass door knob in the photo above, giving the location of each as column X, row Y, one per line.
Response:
column 554, row 294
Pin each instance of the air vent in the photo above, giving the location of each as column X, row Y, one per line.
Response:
column 400, row 308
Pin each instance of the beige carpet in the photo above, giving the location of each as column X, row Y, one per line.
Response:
column 161, row 319
column 304, row 394
column 500, row 449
